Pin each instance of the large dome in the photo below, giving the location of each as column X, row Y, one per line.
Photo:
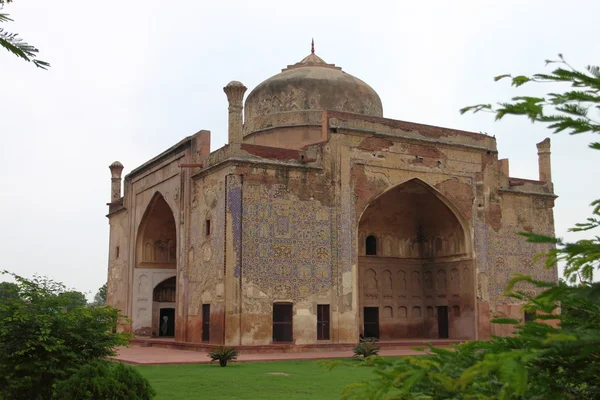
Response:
column 309, row 85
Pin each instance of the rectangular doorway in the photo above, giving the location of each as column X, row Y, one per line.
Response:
column 282, row 323
column 323, row 322
column 442, row 317
column 371, row 322
column 166, row 322
column 205, row 322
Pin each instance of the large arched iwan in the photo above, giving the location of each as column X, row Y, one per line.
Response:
column 156, row 245
column 156, row 263
column 423, row 264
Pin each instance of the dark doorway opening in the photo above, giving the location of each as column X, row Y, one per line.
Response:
column 166, row 322
column 529, row 316
column 282, row 322
column 442, row 314
column 371, row 246
column 205, row 322
column 371, row 324
column 323, row 322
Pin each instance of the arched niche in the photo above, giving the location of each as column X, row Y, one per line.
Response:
column 430, row 242
column 156, row 245
column 164, row 297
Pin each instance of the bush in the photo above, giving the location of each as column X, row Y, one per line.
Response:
column 366, row 349
column 223, row 354
column 104, row 380
column 47, row 334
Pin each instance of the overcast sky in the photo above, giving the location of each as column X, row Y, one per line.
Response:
column 129, row 80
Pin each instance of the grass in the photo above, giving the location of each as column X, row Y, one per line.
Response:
column 289, row 380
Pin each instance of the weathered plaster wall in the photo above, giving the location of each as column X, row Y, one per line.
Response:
column 206, row 256
column 118, row 261
column 509, row 253
column 288, row 137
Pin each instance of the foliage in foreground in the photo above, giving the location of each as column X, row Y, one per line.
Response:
column 46, row 335
column 14, row 44
column 223, row 355
column 105, row 380
column 542, row 360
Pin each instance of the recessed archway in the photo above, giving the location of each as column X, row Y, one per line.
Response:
column 154, row 284
column 163, row 308
column 157, row 237
column 419, row 281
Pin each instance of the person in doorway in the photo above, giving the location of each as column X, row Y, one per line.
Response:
column 164, row 326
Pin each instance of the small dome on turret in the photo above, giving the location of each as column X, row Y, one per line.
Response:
column 115, row 164
column 235, row 84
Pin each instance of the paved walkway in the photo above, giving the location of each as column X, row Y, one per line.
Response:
column 160, row 356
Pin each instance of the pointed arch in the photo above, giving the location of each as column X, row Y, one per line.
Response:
column 416, row 182
column 157, row 236
column 164, row 291
column 432, row 243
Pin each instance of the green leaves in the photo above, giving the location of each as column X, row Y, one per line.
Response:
column 18, row 47
column 540, row 361
column 563, row 112
column 557, row 355
column 46, row 333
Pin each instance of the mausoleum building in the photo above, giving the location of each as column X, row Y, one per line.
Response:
column 321, row 220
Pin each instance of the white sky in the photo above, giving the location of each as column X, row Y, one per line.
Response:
column 129, row 81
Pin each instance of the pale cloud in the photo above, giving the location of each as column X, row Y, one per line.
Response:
column 129, row 80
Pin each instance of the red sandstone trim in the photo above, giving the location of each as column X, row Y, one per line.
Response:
column 522, row 181
column 275, row 153
column 425, row 130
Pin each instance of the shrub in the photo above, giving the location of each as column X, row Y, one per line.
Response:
column 47, row 334
column 223, row 354
column 366, row 349
column 104, row 380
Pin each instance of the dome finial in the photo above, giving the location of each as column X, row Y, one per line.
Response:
column 312, row 46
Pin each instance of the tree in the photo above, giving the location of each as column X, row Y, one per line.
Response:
column 46, row 335
column 100, row 297
column 73, row 299
column 9, row 290
column 540, row 361
column 14, row 44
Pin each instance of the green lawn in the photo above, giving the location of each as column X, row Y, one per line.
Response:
column 257, row 380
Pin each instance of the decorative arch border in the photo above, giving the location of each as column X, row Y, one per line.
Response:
column 144, row 220
column 457, row 214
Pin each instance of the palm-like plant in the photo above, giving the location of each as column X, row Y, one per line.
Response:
column 366, row 349
column 224, row 355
